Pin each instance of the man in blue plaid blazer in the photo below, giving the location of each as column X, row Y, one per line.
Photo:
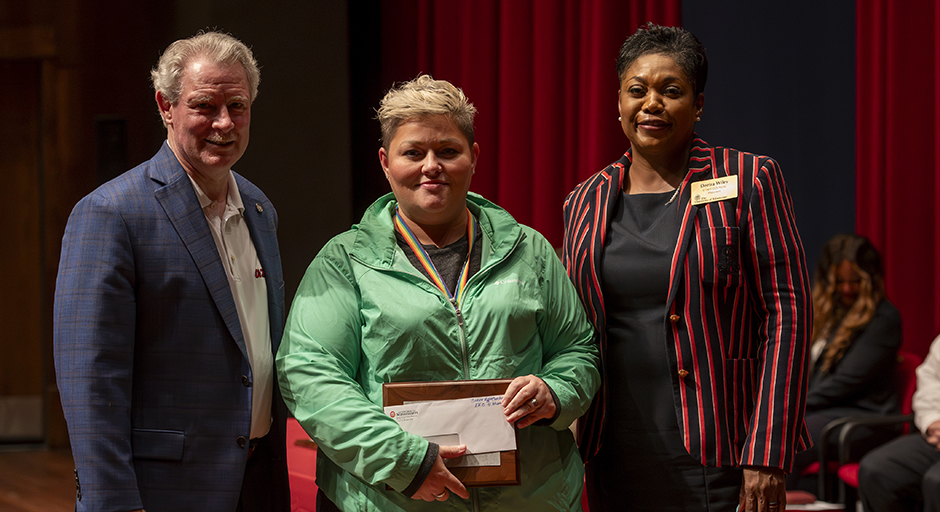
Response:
column 169, row 306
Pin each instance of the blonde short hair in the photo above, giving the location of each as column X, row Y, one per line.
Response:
column 424, row 97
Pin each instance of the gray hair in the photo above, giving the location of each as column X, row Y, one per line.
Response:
column 424, row 97
column 221, row 48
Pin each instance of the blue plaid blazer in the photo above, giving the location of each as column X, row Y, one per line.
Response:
column 150, row 358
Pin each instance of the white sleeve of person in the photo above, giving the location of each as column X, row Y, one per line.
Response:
column 926, row 402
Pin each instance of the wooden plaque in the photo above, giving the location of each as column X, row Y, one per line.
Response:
column 508, row 471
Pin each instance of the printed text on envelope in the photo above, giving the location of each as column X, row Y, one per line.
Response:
column 478, row 422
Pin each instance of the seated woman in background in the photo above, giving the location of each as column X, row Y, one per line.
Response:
column 857, row 334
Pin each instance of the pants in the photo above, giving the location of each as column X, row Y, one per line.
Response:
column 260, row 467
column 324, row 504
column 619, row 481
column 902, row 475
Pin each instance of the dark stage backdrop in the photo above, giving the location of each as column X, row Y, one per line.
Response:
column 898, row 151
column 542, row 75
column 781, row 83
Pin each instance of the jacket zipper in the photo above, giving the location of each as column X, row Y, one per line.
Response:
column 463, row 340
column 464, row 350
column 474, row 496
column 465, row 358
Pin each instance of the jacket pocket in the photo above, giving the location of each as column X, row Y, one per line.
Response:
column 158, row 444
column 725, row 269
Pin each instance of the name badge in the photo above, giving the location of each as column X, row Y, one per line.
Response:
column 717, row 189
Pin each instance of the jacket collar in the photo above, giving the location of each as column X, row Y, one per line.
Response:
column 701, row 165
column 701, row 161
column 165, row 168
column 375, row 242
column 178, row 200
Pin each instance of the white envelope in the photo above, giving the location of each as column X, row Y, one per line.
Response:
column 479, row 421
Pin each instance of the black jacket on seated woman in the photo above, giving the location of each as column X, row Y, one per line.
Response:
column 857, row 334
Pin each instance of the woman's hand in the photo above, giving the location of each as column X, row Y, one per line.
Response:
column 763, row 490
column 440, row 482
column 528, row 400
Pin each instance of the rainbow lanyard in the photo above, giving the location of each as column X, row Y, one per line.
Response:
column 425, row 260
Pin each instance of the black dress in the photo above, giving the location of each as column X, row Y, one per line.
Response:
column 642, row 463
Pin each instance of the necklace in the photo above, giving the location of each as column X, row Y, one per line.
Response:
column 674, row 194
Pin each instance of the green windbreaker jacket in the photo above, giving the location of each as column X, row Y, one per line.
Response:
column 364, row 315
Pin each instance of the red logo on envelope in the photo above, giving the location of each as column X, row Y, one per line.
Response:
column 392, row 414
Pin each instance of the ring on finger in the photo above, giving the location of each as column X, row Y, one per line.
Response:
column 534, row 402
column 441, row 495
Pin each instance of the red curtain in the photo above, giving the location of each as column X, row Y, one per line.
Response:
column 542, row 76
column 898, row 154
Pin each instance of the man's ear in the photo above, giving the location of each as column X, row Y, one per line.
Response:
column 164, row 105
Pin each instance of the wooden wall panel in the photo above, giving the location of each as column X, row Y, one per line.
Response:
column 21, row 288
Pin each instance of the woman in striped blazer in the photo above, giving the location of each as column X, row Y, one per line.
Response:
column 688, row 262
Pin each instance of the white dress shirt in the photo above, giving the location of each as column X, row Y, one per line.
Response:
column 246, row 279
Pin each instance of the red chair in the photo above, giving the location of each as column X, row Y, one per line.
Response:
column 848, row 470
column 584, row 500
column 813, row 469
column 301, row 468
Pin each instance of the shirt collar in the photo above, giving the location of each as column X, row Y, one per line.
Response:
column 234, row 198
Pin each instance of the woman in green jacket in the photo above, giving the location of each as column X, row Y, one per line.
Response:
column 436, row 284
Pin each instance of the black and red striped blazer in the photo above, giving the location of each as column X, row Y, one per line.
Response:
column 739, row 310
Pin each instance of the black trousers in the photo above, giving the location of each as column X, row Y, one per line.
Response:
column 324, row 504
column 264, row 466
column 620, row 482
column 902, row 475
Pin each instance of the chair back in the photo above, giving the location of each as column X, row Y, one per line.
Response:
column 906, row 381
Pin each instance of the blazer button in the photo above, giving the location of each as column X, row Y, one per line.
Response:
column 683, row 373
column 242, row 442
column 245, row 381
column 673, row 318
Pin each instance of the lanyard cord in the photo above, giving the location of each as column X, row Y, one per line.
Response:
column 428, row 265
